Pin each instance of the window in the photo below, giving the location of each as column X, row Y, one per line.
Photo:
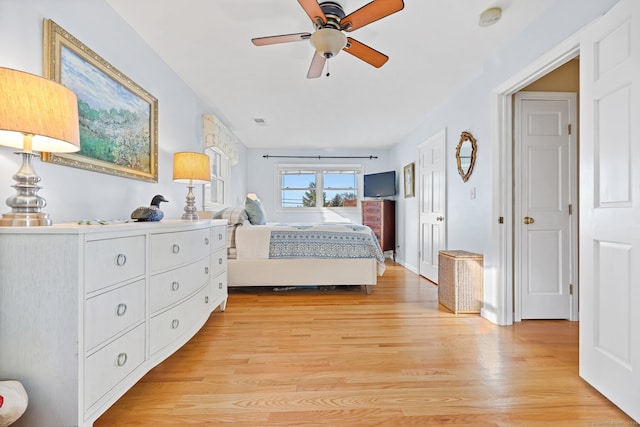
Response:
column 319, row 186
column 216, row 193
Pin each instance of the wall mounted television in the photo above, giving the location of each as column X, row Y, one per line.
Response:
column 382, row 184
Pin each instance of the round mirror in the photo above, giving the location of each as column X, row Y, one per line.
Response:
column 466, row 155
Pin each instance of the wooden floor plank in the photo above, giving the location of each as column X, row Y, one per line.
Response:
column 339, row 357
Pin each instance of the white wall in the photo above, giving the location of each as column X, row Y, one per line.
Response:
column 262, row 180
column 469, row 222
column 78, row 194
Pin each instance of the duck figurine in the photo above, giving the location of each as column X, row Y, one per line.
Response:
column 152, row 212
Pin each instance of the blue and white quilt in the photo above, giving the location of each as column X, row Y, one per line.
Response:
column 325, row 241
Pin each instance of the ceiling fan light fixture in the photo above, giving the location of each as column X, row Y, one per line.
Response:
column 328, row 41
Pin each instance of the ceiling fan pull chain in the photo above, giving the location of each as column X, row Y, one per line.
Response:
column 328, row 73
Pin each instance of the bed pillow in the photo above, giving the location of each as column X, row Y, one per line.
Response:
column 255, row 212
column 233, row 216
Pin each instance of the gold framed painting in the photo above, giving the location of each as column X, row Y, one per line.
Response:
column 118, row 118
column 409, row 184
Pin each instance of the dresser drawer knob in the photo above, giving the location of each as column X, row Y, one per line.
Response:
column 219, row 285
column 175, row 286
column 206, row 270
column 121, row 259
column 121, row 359
column 121, row 309
column 220, row 261
column 175, row 248
column 206, row 299
column 175, row 323
column 206, row 240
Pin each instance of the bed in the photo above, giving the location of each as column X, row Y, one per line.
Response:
column 285, row 255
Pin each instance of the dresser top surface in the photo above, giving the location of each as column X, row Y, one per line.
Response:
column 97, row 227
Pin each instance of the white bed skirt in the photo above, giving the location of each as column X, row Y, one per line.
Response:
column 302, row 272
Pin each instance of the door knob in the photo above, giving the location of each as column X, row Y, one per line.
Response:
column 440, row 218
column 528, row 220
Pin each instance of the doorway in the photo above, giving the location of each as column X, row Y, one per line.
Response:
column 504, row 202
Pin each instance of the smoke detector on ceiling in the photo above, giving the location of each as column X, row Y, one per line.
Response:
column 490, row 16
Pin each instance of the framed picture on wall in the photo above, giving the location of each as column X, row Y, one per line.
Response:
column 118, row 118
column 409, row 185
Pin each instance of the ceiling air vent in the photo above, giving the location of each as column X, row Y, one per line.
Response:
column 259, row 121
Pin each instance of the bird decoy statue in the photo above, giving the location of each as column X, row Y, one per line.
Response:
column 150, row 213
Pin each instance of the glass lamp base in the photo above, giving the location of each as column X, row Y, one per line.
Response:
column 26, row 203
column 190, row 210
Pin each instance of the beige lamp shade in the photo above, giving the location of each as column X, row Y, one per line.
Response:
column 32, row 105
column 191, row 168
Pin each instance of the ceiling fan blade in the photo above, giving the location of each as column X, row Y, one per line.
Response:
column 370, row 12
column 365, row 53
column 284, row 38
column 317, row 65
column 313, row 10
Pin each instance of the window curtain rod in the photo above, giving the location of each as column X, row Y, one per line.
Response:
column 267, row 156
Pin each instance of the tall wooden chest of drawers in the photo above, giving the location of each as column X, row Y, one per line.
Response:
column 87, row 310
column 380, row 216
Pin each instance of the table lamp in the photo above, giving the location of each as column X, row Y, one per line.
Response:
column 191, row 168
column 36, row 114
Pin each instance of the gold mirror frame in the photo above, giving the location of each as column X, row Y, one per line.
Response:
column 466, row 162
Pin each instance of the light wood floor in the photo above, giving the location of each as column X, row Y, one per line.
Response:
column 343, row 358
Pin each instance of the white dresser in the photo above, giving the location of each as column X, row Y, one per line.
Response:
column 87, row 310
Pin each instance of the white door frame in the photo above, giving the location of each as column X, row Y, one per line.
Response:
column 503, row 208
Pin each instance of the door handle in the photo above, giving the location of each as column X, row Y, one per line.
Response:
column 528, row 220
column 440, row 218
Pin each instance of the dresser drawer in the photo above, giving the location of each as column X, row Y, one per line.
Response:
column 218, row 237
column 170, row 325
column 371, row 208
column 174, row 249
column 109, row 313
column 111, row 364
column 218, row 286
column 111, row 261
column 173, row 285
column 371, row 217
column 218, row 262
column 374, row 226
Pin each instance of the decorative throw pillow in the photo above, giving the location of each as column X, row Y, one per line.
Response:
column 255, row 211
column 232, row 215
column 231, row 235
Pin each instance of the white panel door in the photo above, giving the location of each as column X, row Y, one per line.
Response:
column 432, row 194
column 544, row 147
column 610, row 206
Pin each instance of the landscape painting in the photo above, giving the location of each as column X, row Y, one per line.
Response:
column 118, row 119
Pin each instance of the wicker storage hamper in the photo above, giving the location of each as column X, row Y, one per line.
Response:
column 460, row 281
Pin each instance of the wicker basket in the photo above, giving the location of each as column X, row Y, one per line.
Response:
column 460, row 281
